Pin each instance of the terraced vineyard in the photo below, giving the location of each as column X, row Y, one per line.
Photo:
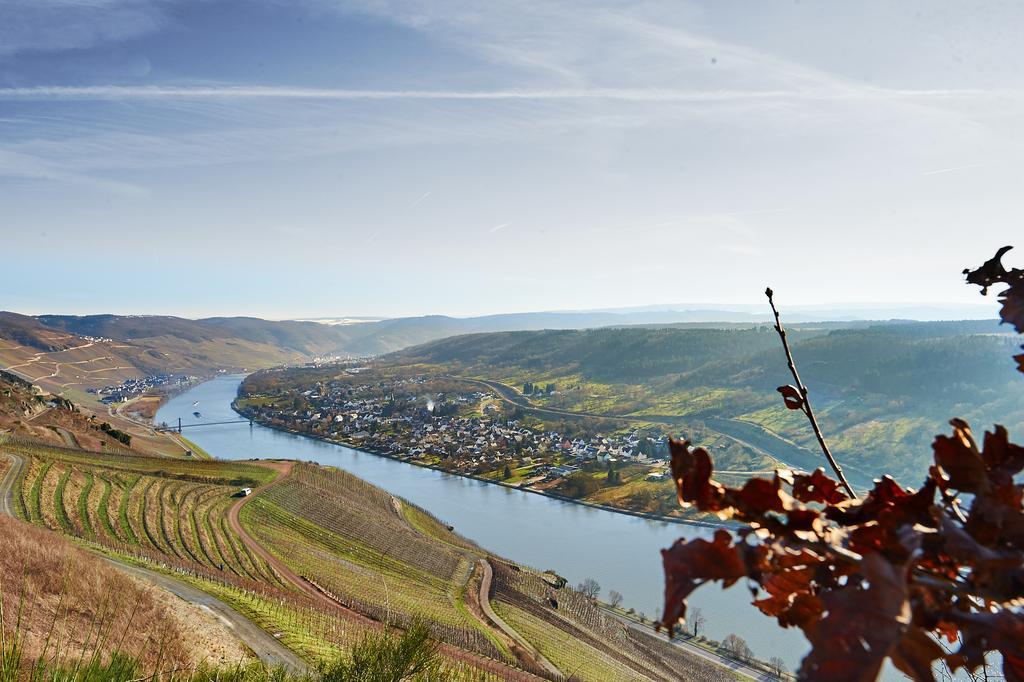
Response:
column 355, row 542
column 174, row 513
column 172, row 509
column 322, row 556
column 582, row 639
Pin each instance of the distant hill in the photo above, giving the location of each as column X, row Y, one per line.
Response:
column 28, row 331
column 357, row 336
column 308, row 338
column 61, row 352
column 123, row 346
column 26, row 412
column 882, row 390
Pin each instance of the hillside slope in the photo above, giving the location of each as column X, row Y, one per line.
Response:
column 319, row 557
column 41, row 574
column 881, row 391
column 74, row 354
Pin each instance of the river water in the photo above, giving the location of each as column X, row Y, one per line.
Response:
column 621, row 552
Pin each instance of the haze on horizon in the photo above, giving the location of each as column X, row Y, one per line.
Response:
column 379, row 158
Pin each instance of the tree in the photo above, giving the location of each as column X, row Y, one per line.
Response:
column 613, row 477
column 507, row 473
column 737, row 647
column 580, row 484
column 777, row 667
column 697, row 621
column 614, row 599
column 886, row 574
column 589, row 588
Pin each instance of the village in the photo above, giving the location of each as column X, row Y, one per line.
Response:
column 133, row 388
column 463, row 431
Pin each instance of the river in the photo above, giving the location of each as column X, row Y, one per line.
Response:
column 621, row 552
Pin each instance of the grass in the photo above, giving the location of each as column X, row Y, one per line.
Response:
column 103, row 508
column 35, row 496
column 83, row 505
column 58, row 502
column 122, row 512
column 80, row 620
column 196, row 449
column 234, row 474
column 72, row 609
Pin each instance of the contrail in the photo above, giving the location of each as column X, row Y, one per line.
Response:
column 268, row 92
column 954, row 168
column 498, row 228
column 420, row 200
column 115, row 92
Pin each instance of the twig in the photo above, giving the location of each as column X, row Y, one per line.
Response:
column 805, row 405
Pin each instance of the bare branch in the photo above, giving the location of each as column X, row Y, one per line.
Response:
column 805, row 405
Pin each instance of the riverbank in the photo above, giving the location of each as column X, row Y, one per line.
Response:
column 622, row 552
column 650, row 516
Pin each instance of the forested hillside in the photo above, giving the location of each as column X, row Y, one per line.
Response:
column 882, row 390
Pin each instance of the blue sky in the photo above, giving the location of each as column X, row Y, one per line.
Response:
column 322, row 157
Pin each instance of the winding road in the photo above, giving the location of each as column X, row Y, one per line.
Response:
column 485, row 605
column 320, row 595
column 785, row 453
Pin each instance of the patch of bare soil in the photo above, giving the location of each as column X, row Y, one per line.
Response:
column 210, row 638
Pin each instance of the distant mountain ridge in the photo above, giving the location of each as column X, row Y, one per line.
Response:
column 150, row 344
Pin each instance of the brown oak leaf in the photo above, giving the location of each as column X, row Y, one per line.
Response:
column 861, row 626
column 691, row 471
column 690, row 563
column 791, row 396
column 817, row 487
column 959, row 462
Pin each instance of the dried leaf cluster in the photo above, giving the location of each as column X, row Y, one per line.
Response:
column 893, row 574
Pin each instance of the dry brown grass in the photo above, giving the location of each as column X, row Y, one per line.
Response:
column 77, row 602
column 145, row 407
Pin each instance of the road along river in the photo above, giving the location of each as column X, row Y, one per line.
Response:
column 621, row 552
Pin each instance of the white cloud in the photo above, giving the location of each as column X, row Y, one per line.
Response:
column 25, row 166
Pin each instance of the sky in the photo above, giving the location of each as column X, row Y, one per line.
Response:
column 304, row 158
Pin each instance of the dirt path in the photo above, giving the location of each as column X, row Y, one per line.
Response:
column 7, row 483
column 301, row 584
column 312, row 590
column 478, row 604
column 487, row 574
column 264, row 645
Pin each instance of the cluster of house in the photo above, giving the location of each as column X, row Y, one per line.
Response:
column 461, row 432
column 131, row 388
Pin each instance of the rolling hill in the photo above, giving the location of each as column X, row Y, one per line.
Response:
column 881, row 391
